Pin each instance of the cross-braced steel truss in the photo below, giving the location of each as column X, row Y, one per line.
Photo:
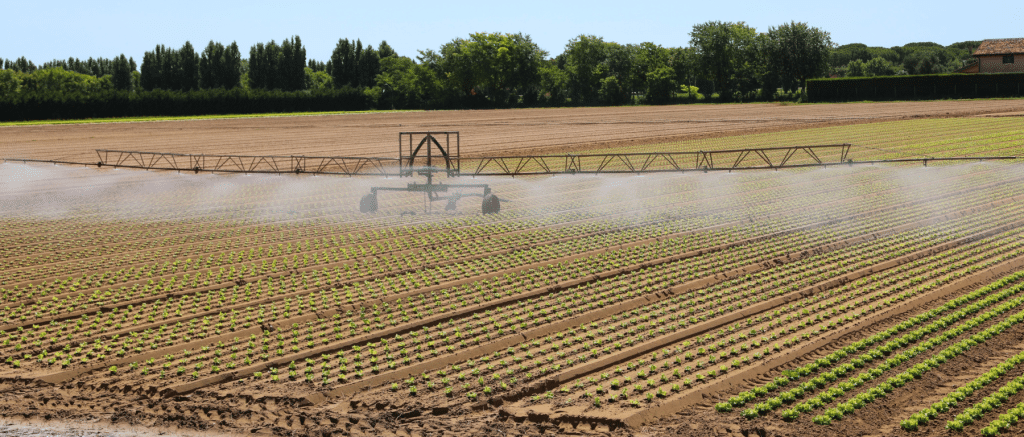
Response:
column 274, row 164
column 660, row 162
column 421, row 159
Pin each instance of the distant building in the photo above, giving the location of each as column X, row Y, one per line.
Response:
column 969, row 68
column 997, row 56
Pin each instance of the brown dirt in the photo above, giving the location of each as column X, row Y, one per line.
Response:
column 695, row 396
column 882, row 417
column 85, row 399
column 1003, row 114
column 511, row 131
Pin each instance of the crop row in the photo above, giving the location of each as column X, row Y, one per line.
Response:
column 342, row 273
column 979, row 409
column 934, row 137
column 212, row 261
column 124, row 294
column 206, row 323
column 225, row 259
column 342, row 242
column 663, row 323
column 130, row 236
column 681, row 366
column 210, row 278
column 980, row 255
column 893, row 353
column 282, row 351
column 394, row 313
column 365, row 320
column 917, row 371
column 421, row 236
column 327, row 242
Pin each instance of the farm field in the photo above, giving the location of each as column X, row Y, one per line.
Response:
column 855, row 300
column 513, row 131
column 922, row 138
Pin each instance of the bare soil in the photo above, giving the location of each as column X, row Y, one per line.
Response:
column 88, row 400
column 507, row 131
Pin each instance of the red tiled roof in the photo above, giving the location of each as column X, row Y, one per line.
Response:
column 1006, row 46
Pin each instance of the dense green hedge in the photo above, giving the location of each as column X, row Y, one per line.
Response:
column 111, row 103
column 928, row 86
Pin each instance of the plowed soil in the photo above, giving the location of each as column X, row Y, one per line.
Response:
column 519, row 131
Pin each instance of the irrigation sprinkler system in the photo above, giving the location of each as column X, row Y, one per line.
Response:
column 408, row 166
column 433, row 153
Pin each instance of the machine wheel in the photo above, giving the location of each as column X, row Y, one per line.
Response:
column 491, row 204
column 368, row 203
column 450, row 206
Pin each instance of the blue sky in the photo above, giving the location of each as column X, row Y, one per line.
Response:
column 44, row 31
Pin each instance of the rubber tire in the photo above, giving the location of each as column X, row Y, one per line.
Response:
column 368, row 203
column 490, row 204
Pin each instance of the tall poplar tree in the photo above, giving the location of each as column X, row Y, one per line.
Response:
column 385, row 51
column 231, row 67
column 369, row 67
column 211, row 66
column 188, row 68
column 122, row 76
column 342, row 64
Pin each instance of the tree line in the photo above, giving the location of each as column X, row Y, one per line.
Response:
column 724, row 61
column 859, row 60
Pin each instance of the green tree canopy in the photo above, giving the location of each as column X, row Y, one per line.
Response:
column 188, row 69
column 281, row 67
column 170, row 69
column 220, row 66
column 583, row 58
column 57, row 81
column 122, row 76
column 796, row 52
column 385, row 51
column 873, row 67
column 343, row 64
column 264, row 63
column 554, row 83
column 317, row 80
column 727, row 53
column 499, row 65
column 10, row 83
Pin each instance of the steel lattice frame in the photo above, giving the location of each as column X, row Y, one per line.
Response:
column 273, row 164
column 406, row 165
column 661, row 162
column 525, row 165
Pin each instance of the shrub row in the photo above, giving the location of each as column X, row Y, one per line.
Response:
column 905, row 87
column 53, row 106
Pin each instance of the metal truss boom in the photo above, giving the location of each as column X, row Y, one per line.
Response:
column 661, row 162
column 526, row 165
column 273, row 164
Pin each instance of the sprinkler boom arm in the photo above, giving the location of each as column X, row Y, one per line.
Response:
column 422, row 153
